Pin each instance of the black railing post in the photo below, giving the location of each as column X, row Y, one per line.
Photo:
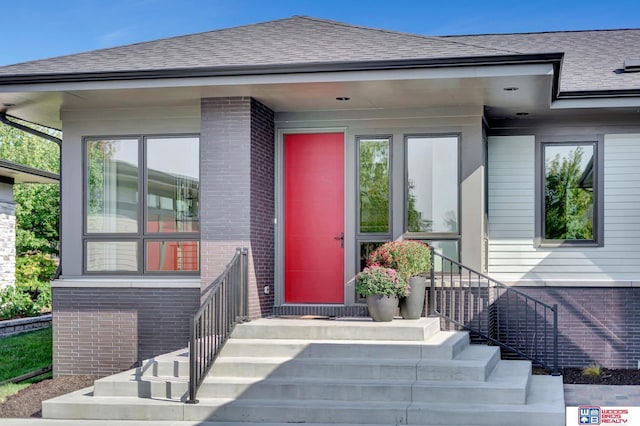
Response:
column 556, row 371
column 245, row 284
column 432, row 290
column 192, row 364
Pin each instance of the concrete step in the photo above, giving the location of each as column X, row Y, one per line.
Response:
column 475, row 362
column 344, row 329
column 507, row 385
column 444, row 345
column 172, row 364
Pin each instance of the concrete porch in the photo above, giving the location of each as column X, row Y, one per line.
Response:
column 342, row 371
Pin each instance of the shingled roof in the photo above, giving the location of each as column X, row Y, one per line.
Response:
column 592, row 60
column 296, row 40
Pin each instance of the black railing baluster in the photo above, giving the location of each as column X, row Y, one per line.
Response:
column 527, row 334
column 225, row 306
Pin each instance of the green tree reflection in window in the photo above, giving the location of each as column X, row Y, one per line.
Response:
column 568, row 196
column 374, row 185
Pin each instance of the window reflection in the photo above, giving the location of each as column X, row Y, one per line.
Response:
column 568, row 191
column 172, row 185
column 374, row 185
column 113, row 186
column 172, row 256
column 432, row 184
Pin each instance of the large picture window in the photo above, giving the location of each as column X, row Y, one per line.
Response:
column 141, row 205
column 569, row 198
column 431, row 202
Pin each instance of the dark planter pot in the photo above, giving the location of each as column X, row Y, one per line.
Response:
column 382, row 308
column 411, row 306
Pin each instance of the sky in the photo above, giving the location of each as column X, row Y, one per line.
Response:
column 37, row 29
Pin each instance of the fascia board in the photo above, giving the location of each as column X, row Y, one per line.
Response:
column 485, row 71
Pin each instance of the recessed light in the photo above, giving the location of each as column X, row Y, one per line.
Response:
column 510, row 89
column 522, row 114
column 342, row 98
column 8, row 105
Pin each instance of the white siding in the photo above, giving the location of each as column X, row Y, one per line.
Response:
column 512, row 255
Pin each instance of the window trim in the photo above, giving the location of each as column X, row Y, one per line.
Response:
column 141, row 236
column 405, row 219
column 597, row 141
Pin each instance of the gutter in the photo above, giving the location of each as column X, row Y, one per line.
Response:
column 57, row 141
column 316, row 67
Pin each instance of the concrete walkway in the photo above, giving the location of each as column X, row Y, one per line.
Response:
column 602, row 395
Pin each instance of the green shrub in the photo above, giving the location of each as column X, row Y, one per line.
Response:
column 34, row 267
column 16, row 303
column 378, row 280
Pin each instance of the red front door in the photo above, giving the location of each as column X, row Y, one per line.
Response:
column 314, row 218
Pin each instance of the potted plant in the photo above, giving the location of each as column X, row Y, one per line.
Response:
column 412, row 260
column 381, row 286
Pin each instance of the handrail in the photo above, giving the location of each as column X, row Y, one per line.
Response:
column 224, row 307
column 495, row 312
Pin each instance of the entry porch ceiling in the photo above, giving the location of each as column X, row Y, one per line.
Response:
column 44, row 104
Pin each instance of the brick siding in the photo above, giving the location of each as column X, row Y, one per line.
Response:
column 237, row 192
column 102, row 331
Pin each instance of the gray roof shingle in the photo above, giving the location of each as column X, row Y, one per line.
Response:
column 591, row 60
column 295, row 40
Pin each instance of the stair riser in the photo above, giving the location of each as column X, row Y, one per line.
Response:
column 322, row 350
column 165, row 390
column 370, row 372
column 374, row 392
column 98, row 411
column 351, row 415
column 341, row 332
column 493, row 418
column 168, row 369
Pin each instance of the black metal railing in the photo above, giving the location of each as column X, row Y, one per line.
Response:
column 494, row 312
column 224, row 307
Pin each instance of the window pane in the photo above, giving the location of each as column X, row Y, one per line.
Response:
column 366, row 248
column 374, row 186
column 447, row 248
column 112, row 256
column 172, row 184
column 432, row 180
column 113, row 186
column 568, row 192
column 173, row 256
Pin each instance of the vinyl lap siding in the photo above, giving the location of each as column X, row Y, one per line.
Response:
column 512, row 256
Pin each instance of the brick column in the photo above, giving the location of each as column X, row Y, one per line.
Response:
column 237, row 192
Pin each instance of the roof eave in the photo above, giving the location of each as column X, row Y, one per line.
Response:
column 553, row 58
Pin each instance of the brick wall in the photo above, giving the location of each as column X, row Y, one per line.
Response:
column 595, row 324
column 7, row 243
column 102, row 331
column 236, row 192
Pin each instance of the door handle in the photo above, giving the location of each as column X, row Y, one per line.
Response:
column 341, row 238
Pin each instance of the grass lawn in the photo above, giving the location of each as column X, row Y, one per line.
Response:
column 23, row 353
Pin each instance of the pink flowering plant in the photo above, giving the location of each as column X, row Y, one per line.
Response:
column 408, row 257
column 378, row 280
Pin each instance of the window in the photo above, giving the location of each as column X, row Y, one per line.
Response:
column 374, row 212
column 432, row 180
column 141, row 205
column 570, row 194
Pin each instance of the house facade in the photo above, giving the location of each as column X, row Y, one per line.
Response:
column 310, row 142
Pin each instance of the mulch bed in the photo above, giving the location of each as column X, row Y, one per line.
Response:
column 28, row 402
column 618, row 376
